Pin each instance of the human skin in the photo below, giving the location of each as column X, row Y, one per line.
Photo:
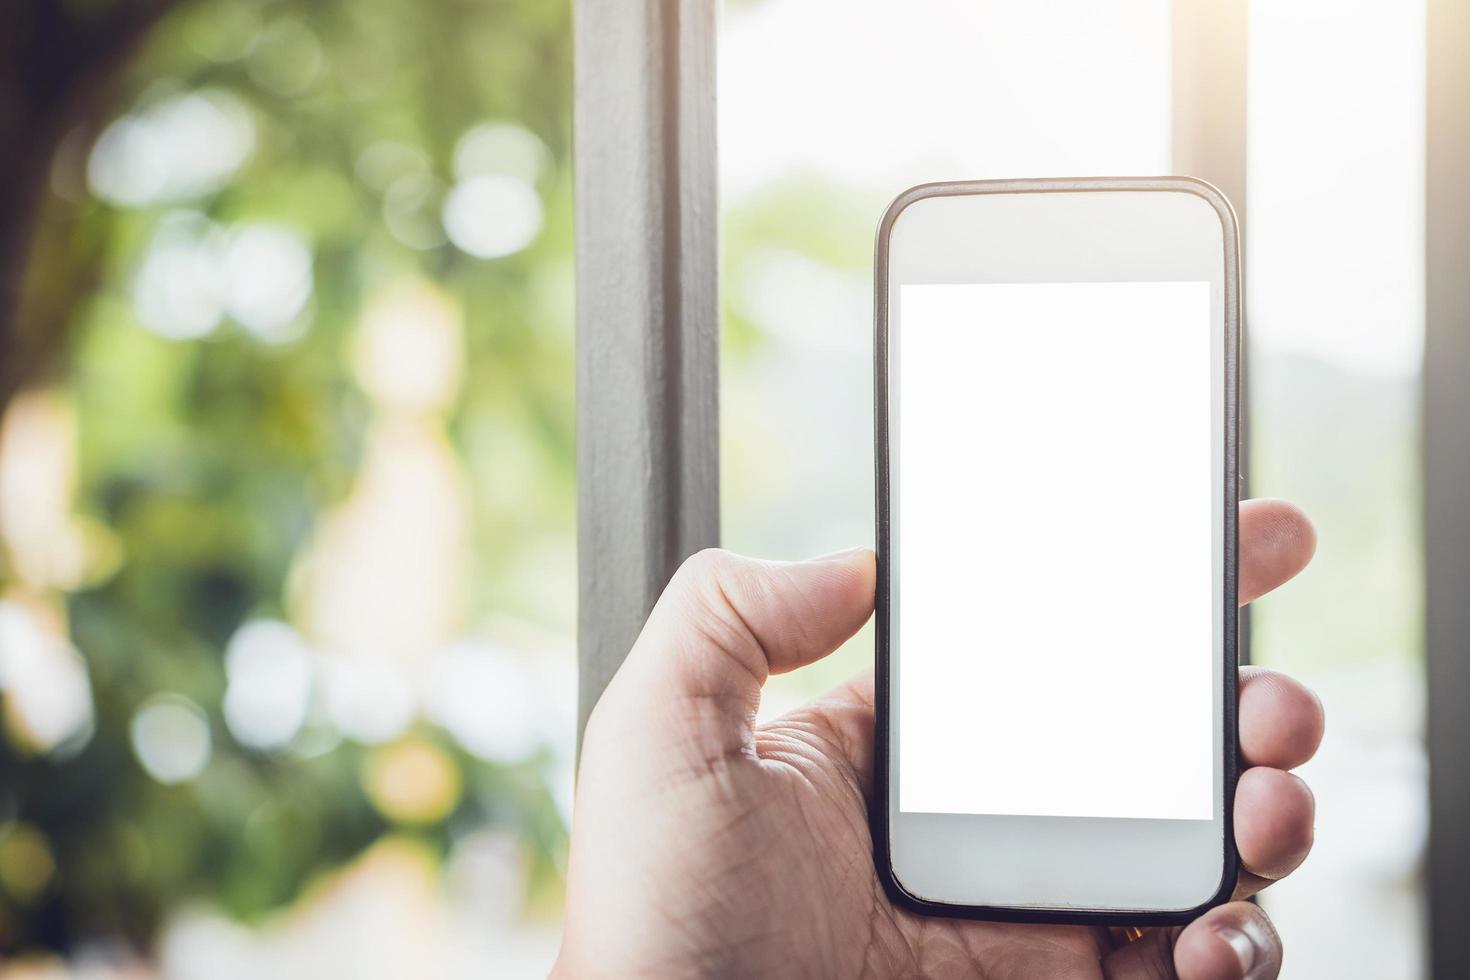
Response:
column 707, row 845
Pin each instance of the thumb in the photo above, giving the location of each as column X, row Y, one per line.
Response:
column 726, row 622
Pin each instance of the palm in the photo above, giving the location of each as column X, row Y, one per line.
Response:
column 816, row 762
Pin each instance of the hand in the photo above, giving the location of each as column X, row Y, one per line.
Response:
column 705, row 845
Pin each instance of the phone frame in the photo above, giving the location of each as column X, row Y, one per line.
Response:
column 880, row 805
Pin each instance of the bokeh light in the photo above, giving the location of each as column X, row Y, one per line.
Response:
column 286, row 59
column 267, row 274
column 413, row 781
column 368, row 698
column 229, row 33
column 178, row 292
column 170, row 735
column 178, row 149
column 48, row 698
column 488, row 869
column 48, row 545
column 487, row 698
column 409, row 204
column 385, row 161
column 26, row 863
column 492, row 215
column 409, row 354
column 269, row 667
column 500, row 148
column 194, row 273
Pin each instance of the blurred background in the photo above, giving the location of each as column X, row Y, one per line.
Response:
column 287, row 506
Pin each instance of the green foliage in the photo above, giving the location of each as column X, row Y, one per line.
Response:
column 211, row 461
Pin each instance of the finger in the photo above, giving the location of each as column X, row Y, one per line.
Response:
column 1274, row 813
column 1281, row 721
column 1276, row 542
column 844, row 718
column 771, row 616
column 725, row 622
column 1232, row 942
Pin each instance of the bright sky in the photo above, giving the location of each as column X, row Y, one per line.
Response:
column 886, row 93
column 882, row 94
column 1336, row 181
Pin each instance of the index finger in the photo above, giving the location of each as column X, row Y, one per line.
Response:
column 1276, row 542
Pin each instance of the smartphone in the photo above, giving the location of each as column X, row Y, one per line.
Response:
column 1057, row 429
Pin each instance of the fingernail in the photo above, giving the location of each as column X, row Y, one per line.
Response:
column 1244, row 947
column 839, row 555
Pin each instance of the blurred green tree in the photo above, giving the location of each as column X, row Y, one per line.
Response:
column 386, row 140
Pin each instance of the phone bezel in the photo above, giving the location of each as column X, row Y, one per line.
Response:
column 1231, row 333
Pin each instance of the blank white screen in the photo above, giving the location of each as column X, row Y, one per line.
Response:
column 1054, row 638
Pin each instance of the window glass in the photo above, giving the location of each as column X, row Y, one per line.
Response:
column 1335, row 228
